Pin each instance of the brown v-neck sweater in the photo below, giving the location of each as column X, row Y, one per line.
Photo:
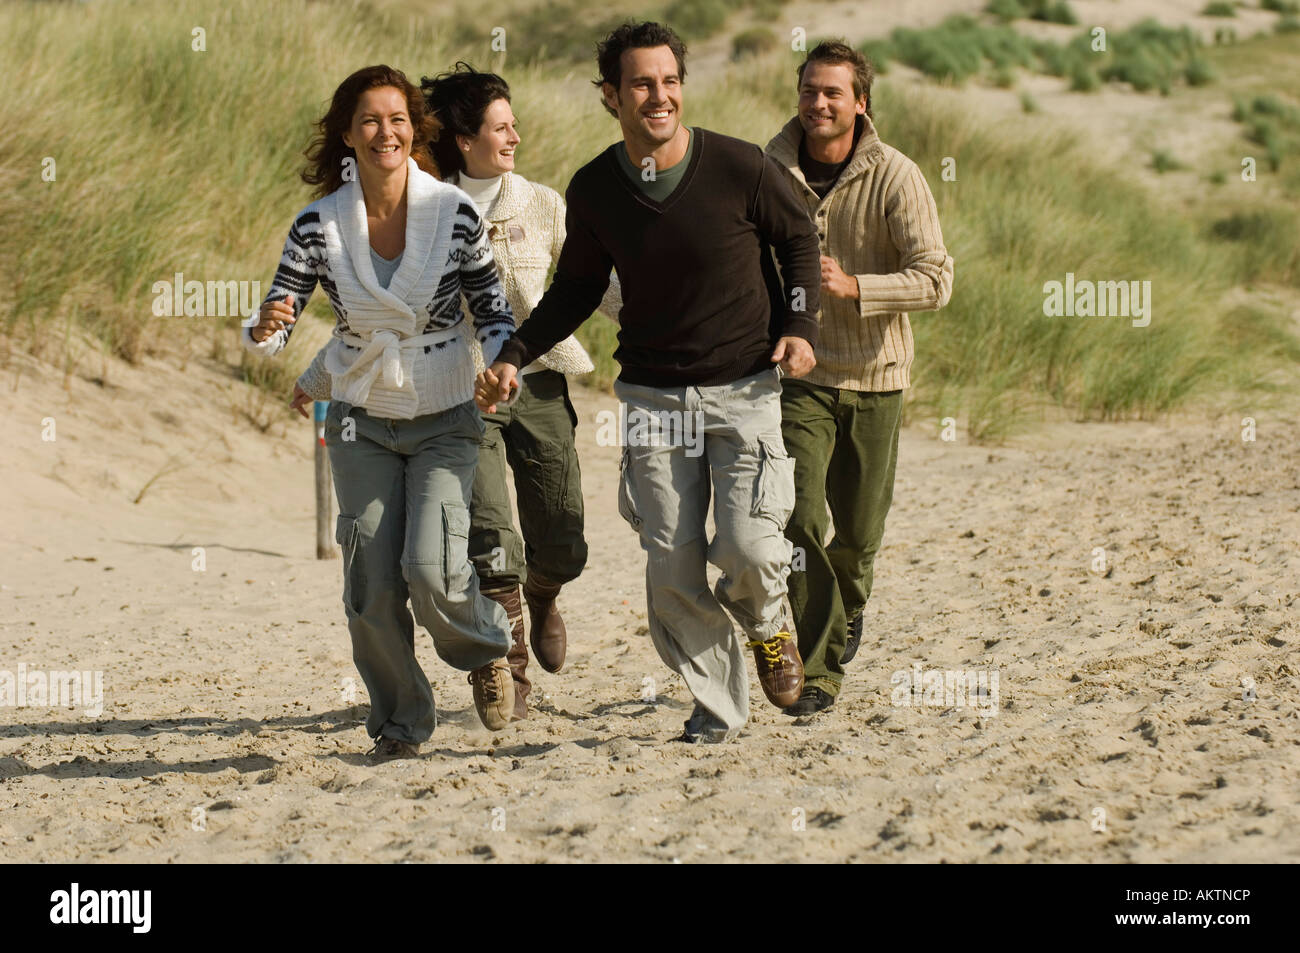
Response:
column 702, row 301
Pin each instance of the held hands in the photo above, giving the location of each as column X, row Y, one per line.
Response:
column 274, row 316
column 835, row 282
column 496, row 384
column 794, row 355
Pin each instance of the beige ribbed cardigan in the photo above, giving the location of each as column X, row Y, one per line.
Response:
column 880, row 223
column 526, row 228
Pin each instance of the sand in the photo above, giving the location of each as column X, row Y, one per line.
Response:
column 1146, row 712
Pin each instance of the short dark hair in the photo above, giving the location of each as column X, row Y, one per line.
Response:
column 634, row 36
column 839, row 52
column 458, row 99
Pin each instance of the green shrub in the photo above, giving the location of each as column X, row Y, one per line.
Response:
column 1266, row 240
column 752, row 42
column 1007, row 10
column 1028, row 103
column 1004, row 47
column 1162, row 161
column 767, row 10
column 1083, row 79
column 1049, row 12
column 1139, row 69
column 1281, row 6
column 1288, row 24
column 1199, row 72
column 945, row 53
column 1219, row 10
column 957, row 48
column 878, row 54
column 1055, row 58
column 1218, row 177
column 693, row 19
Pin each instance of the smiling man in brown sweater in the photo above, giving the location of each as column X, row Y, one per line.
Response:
column 882, row 255
column 687, row 217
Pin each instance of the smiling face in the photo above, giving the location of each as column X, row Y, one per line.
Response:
column 827, row 108
column 649, row 98
column 492, row 151
column 381, row 131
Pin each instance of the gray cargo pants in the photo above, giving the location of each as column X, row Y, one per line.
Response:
column 403, row 488
column 681, row 446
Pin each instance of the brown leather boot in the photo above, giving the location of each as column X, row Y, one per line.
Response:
column 546, row 629
column 508, row 599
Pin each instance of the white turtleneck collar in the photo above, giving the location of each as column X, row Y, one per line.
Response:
column 483, row 191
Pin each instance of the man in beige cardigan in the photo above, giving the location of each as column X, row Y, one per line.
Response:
column 882, row 256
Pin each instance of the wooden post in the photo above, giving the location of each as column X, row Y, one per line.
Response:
column 325, row 548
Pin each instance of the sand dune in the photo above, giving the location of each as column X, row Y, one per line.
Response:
column 1160, row 691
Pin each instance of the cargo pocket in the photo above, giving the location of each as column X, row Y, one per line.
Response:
column 455, row 546
column 626, row 501
column 347, row 535
column 774, row 488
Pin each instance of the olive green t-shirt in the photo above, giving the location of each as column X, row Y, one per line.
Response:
column 665, row 180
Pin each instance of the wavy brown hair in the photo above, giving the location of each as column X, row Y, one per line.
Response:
column 327, row 151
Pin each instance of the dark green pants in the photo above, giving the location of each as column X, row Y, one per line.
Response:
column 845, row 447
column 534, row 438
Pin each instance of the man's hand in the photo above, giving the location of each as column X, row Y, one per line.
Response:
column 495, row 384
column 300, row 400
column 794, row 355
column 835, row 282
column 273, row 316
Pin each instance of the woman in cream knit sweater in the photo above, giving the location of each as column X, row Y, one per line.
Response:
column 395, row 249
column 534, row 435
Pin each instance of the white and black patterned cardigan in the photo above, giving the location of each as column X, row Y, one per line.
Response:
column 405, row 350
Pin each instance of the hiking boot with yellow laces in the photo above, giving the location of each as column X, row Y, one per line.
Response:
column 494, row 693
column 780, row 670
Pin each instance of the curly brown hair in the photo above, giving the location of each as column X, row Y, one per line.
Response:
column 327, row 151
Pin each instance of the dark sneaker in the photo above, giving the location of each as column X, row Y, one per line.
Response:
column 391, row 749
column 855, row 639
column 812, row 700
column 698, row 731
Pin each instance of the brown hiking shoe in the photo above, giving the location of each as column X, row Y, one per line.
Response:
column 517, row 657
column 780, row 670
column 494, row 693
column 390, row 749
column 546, row 629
